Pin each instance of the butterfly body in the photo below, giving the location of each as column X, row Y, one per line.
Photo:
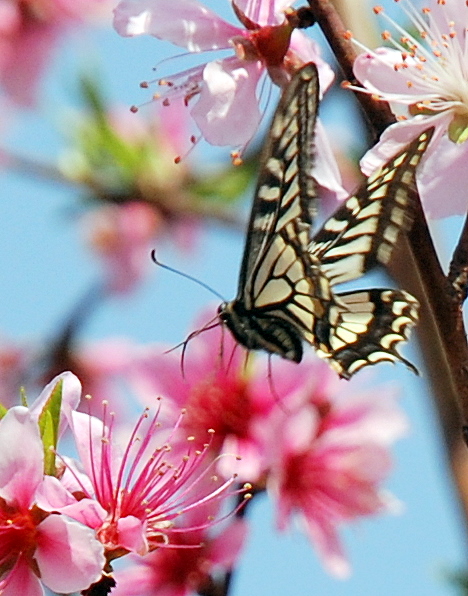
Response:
column 286, row 294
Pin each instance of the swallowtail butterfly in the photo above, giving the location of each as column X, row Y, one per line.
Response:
column 286, row 285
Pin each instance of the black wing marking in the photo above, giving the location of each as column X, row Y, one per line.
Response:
column 285, row 188
column 364, row 231
column 365, row 327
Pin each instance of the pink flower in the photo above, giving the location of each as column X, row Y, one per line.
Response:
column 123, row 237
column 426, row 82
column 35, row 546
column 131, row 497
column 227, row 111
column 28, row 32
column 219, row 389
column 187, row 570
column 330, row 456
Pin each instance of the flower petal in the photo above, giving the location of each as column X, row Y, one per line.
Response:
column 21, row 580
column 71, row 395
column 264, row 12
column 68, row 555
column 309, row 51
column 21, row 457
column 132, row 534
column 227, row 112
column 185, row 23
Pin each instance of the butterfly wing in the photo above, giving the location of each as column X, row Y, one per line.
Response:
column 280, row 285
column 365, row 327
column 364, row 231
column 285, row 189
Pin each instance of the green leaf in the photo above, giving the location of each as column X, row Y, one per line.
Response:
column 49, row 421
column 3, row 411
column 24, row 399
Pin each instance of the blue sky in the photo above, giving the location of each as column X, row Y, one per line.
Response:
column 45, row 270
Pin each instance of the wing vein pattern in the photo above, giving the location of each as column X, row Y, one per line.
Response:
column 286, row 290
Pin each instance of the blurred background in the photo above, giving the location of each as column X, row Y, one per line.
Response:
column 51, row 257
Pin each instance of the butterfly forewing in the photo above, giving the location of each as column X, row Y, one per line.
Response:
column 285, row 189
column 364, row 231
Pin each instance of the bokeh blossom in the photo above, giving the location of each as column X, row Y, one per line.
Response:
column 218, row 389
column 36, row 545
column 317, row 444
column 424, row 77
column 188, row 570
column 29, row 30
column 333, row 455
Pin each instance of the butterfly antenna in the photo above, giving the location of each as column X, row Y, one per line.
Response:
column 186, row 275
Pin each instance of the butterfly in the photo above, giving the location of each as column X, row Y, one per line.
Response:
column 286, row 284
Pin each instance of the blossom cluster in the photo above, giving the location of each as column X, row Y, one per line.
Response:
column 155, row 491
column 118, row 496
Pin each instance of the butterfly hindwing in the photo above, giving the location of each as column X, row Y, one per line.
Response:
column 365, row 327
column 363, row 232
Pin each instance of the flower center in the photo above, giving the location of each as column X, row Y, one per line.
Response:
column 435, row 65
column 18, row 535
column 219, row 404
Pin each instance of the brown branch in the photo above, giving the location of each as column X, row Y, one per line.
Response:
column 458, row 272
column 443, row 338
column 378, row 113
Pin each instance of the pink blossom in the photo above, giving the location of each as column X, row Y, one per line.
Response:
column 330, row 456
column 35, row 547
column 134, row 166
column 223, row 387
column 123, row 237
column 227, row 111
column 183, row 571
column 425, row 79
column 219, row 389
column 131, row 497
column 29, row 31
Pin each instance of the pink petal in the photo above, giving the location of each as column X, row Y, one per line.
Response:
column 68, row 555
column 376, row 71
column 264, row 12
column 227, row 112
column 185, row 23
column 326, row 171
column 21, row 457
column 324, row 536
column 226, row 548
column 309, row 51
column 52, row 495
column 87, row 511
column 21, row 580
column 132, row 534
column 398, row 135
column 71, row 395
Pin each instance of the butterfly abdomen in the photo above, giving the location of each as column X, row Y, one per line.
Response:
column 256, row 332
